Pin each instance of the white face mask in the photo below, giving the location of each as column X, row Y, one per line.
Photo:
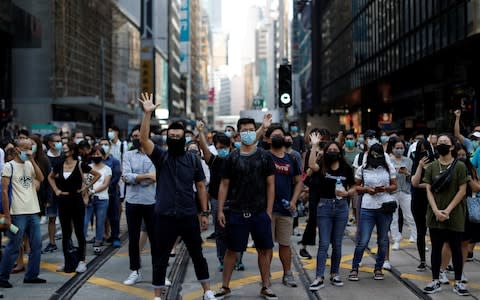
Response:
column 371, row 142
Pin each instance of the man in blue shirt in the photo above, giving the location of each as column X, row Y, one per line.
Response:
column 175, row 207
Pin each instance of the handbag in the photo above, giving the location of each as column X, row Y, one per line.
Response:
column 72, row 258
column 473, row 208
column 443, row 179
column 389, row 207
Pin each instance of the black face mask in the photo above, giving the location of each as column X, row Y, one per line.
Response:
column 288, row 144
column 331, row 157
column 277, row 142
column 176, row 146
column 97, row 159
column 377, row 162
column 443, row 149
column 136, row 143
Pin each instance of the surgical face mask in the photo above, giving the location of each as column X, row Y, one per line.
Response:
column 228, row 133
column 277, row 142
column 106, row 148
column 34, row 149
column 398, row 152
column 188, row 139
column 350, row 144
column 223, row 152
column 371, row 142
column 111, row 135
column 23, row 155
column 294, row 129
column 78, row 140
column 237, row 145
column 58, row 146
column 361, row 140
column 443, row 149
column 248, row 137
column 288, row 144
column 384, row 139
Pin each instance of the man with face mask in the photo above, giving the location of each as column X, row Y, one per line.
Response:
column 113, row 212
column 288, row 170
column 21, row 212
column 175, row 212
column 140, row 177
column 298, row 141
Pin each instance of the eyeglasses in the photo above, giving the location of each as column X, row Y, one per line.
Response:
column 135, row 136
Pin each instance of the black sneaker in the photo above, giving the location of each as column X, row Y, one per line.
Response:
column 336, row 281
column 304, row 253
column 378, row 275
column 317, row 284
column 50, row 248
column 450, row 269
column 267, row 293
column 433, row 287
column 212, row 236
column 421, row 267
column 460, row 289
column 5, row 284
column 34, row 280
column 470, row 256
column 222, row 293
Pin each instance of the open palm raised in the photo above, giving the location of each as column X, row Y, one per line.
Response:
column 147, row 102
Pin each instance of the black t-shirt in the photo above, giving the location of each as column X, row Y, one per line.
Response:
column 327, row 182
column 248, row 184
column 216, row 165
column 298, row 143
column 72, row 183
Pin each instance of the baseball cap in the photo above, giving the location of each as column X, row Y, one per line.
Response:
column 475, row 134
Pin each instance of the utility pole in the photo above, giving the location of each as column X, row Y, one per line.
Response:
column 102, row 86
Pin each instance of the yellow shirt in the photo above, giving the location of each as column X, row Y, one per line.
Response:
column 24, row 195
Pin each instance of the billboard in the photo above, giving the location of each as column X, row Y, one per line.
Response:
column 184, row 36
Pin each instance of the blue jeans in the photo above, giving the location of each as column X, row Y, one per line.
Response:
column 368, row 219
column 100, row 207
column 332, row 218
column 30, row 225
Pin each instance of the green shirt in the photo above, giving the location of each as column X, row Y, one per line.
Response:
column 456, row 222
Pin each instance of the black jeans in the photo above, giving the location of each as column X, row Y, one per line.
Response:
column 310, row 232
column 419, row 212
column 166, row 231
column 71, row 209
column 113, row 215
column 438, row 237
column 135, row 214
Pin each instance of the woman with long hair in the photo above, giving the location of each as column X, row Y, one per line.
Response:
column 423, row 156
column 336, row 180
column 446, row 184
column 376, row 180
column 66, row 180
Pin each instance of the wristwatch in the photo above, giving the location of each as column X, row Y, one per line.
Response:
column 205, row 213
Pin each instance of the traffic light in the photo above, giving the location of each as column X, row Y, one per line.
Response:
column 285, row 86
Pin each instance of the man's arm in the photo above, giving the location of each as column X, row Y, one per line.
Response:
column 267, row 121
column 296, row 192
column 202, row 196
column 456, row 126
column 148, row 108
column 5, row 200
column 203, row 141
column 222, row 196
column 270, row 194
column 38, row 172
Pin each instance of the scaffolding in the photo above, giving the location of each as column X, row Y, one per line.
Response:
column 79, row 26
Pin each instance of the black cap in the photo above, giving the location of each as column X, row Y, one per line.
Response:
column 370, row 133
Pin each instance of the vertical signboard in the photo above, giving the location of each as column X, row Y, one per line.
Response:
column 184, row 36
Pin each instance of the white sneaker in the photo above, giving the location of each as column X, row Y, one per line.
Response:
column 157, row 298
column 57, row 221
column 43, row 220
column 387, row 265
column 412, row 239
column 396, row 246
column 133, row 278
column 82, row 267
column 60, row 268
column 209, row 295
column 443, row 277
column 167, row 282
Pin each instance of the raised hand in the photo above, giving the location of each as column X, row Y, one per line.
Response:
column 147, row 102
column 267, row 120
column 200, row 126
column 457, row 113
column 315, row 138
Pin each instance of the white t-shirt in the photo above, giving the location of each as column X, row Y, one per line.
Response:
column 104, row 172
column 375, row 178
column 24, row 195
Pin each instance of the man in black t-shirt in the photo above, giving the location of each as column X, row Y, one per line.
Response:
column 249, row 177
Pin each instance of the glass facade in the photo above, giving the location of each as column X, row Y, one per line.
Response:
column 364, row 40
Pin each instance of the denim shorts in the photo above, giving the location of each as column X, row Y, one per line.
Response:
column 51, row 211
column 239, row 226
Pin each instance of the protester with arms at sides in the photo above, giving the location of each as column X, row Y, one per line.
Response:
column 298, row 157
column 175, row 207
column 23, row 212
column 113, row 212
column 298, row 141
column 403, row 166
column 288, row 187
column 336, row 179
column 54, row 152
column 376, row 179
column 140, row 176
column 66, row 180
column 312, row 180
column 249, row 179
column 446, row 212
column 350, row 148
column 98, row 200
column 419, row 202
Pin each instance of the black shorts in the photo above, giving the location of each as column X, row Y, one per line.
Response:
column 239, row 227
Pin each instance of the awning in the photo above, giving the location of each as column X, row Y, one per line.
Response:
column 93, row 104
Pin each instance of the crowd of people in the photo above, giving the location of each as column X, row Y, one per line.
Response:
column 252, row 181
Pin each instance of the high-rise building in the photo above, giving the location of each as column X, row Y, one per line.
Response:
column 412, row 62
